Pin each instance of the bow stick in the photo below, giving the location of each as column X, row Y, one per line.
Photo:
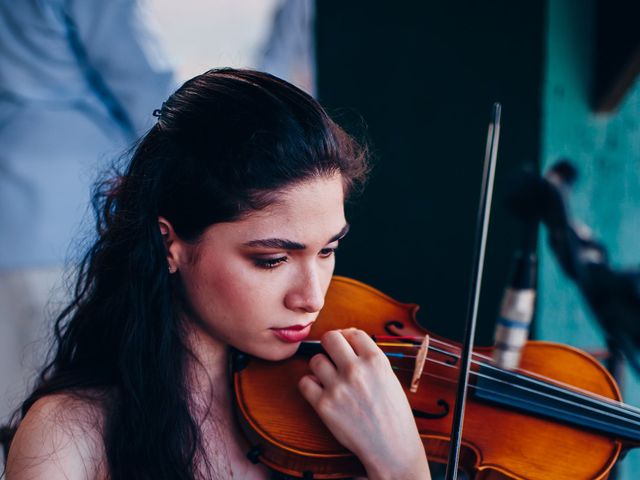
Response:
column 482, row 226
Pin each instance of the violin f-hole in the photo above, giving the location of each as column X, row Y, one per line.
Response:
column 396, row 328
column 433, row 416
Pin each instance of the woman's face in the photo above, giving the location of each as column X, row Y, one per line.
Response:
column 258, row 283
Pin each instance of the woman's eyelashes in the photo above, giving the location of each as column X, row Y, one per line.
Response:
column 327, row 252
column 270, row 263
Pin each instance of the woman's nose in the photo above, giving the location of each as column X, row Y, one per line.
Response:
column 306, row 293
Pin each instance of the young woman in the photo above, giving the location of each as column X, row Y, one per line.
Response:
column 221, row 233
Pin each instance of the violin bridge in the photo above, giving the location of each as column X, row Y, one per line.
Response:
column 421, row 358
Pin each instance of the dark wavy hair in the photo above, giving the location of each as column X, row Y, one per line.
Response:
column 223, row 145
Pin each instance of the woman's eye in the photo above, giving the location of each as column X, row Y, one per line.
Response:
column 269, row 262
column 327, row 252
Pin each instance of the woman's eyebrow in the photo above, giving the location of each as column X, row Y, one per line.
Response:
column 341, row 234
column 281, row 243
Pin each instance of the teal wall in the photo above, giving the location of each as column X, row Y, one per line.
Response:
column 606, row 150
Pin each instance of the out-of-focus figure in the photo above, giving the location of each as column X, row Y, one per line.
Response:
column 79, row 80
column 289, row 50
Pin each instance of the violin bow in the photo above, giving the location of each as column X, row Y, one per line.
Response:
column 482, row 227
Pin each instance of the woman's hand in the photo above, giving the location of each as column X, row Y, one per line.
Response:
column 361, row 401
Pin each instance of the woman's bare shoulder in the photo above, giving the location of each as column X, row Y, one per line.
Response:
column 60, row 437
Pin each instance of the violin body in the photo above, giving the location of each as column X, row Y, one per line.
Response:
column 498, row 442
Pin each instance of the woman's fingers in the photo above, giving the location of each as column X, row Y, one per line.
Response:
column 360, row 400
column 311, row 389
column 338, row 348
column 323, row 369
column 346, row 346
column 361, row 343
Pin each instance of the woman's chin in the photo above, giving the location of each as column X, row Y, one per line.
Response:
column 276, row 354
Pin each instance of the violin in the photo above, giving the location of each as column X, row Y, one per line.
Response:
column 559, row 415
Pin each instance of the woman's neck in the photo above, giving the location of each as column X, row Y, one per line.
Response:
column 207, row 370
column 209, row 386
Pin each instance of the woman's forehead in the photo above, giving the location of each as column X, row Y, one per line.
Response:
column 319, row 196
column 306, row 212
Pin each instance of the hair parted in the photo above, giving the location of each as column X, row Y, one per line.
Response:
column 224, row 144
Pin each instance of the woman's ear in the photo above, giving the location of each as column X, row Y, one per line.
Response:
column 172, row 243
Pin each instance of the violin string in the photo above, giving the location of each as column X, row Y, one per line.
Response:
column 612, row 415
column 561, row 386
column 567, row 389
column 561, row 399
column 579, row 401
column 398, row 337
column 564, row 388
column 457, row 355
column 575, row 391
column 432, row 341
column 526, row 374
column 525, row 388
column 547, row 381
column 401, row 345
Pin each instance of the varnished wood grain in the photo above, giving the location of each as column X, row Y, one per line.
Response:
column 498, row 443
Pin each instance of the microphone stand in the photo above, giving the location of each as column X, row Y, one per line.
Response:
column 612, row 295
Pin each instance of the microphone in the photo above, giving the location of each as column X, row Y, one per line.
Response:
column 527, row 201
column 516, row 311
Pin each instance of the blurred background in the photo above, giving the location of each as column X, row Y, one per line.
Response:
column 417, row 80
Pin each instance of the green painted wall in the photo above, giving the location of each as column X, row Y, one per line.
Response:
column 606, row 150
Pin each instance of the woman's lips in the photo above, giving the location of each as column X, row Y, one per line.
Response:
column 293, row 334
